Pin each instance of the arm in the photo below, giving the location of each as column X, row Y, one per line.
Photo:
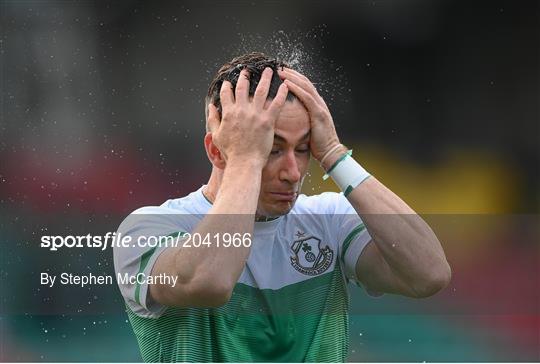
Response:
column 238, row 144
column 405, row 256
column 206, row 275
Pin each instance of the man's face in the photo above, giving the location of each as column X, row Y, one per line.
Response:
column 288, row 162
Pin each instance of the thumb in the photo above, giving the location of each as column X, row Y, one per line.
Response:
column 213, row 119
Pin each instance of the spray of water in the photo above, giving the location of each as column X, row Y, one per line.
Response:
column 304, row 52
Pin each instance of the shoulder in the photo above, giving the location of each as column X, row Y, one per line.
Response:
column 324, row 203
column 171, row 216
column 150, row 220
column 193, row 203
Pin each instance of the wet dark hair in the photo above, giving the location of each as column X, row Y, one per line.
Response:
column 255, row 63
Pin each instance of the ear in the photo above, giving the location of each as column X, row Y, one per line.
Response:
column 212, row 121
column 213, row 152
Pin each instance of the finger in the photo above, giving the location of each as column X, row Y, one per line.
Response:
column 305, row 97
column 301, row 81
column 242, row 87
column 213, row 119
column 290, row 71
column 306, row 84
column 261, row 93
column 277, row 104
column 226, row 95
column 281, row 73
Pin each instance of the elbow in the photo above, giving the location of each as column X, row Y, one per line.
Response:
column 436, row 281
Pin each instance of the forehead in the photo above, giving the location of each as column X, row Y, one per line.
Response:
column 293, row 121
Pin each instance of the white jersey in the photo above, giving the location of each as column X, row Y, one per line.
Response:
column 302, row 259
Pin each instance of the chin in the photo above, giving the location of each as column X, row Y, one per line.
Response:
column 277, row 209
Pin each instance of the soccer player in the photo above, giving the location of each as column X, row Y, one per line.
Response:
column 282, row 294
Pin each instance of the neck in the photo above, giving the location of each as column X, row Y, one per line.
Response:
column 212, row 188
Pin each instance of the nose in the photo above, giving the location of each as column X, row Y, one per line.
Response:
column 289, row 168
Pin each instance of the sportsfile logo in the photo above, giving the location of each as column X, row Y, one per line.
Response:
column 110, row 239
column 55, row 242
column 118, row 240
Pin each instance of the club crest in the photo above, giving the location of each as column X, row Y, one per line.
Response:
column 309, row 258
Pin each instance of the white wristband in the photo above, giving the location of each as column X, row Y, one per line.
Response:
column 347, row 173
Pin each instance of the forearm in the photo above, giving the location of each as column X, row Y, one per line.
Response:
column 208, row 273
column 405, row 240
column 239, row 190
column 232, row 212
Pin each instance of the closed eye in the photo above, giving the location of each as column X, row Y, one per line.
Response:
column 303, row 148
column 298, row 150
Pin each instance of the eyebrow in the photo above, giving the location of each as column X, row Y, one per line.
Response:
column 282, row 139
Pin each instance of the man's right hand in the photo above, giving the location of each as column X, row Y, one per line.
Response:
column 246, row 128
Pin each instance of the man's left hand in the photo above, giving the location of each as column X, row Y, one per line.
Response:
column 323, row 133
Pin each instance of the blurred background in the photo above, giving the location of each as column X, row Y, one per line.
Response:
column 102, row 112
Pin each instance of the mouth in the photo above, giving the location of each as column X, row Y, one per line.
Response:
column 284, row 196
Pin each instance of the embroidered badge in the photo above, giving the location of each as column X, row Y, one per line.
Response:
column 309, row 258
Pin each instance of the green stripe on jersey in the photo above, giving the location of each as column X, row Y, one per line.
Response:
column 144, row 262
column 347, row 242
column 305, row 321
